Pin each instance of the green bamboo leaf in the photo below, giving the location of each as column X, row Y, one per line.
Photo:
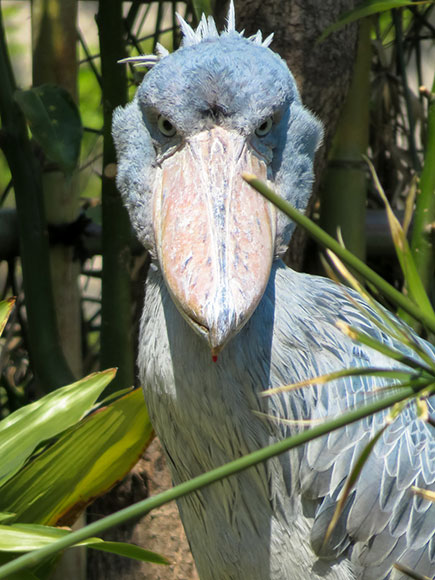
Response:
column 5, row 310
column 328, row 242
column 384, row 349
column 55, row 123
column 413, row 281
column 130, row 551
column 22, row 431
column 358, row 371
column 102, row 448
column 364, row 9
column 389, row 325
column 5, row 516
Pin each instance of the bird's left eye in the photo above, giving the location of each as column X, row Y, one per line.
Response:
column 265, row 127
column 166, row 127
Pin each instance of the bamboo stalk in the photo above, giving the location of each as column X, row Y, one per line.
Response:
column 422, row 241
column 344, row 190
column 328, row 242
column 54, row 41
column 116, row 324
column 48, row 361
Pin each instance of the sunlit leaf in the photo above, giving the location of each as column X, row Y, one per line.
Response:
column 86, row 461
column 5, row 310
column 394, row 374
column 22, row 431
column 381, row 347
column 413, row 281
column 20, row 538
column 425, row 493
column 391, row 326
column 55, row 123
column 130, row 551
column 367, row 8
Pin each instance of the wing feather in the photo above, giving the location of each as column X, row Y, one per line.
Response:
column 383, row 521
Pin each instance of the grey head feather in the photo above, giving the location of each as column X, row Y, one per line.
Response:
column 205, row 31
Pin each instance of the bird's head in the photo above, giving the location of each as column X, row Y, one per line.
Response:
column 219, row 106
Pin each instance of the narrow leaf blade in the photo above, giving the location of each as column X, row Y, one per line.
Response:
column 130, row 551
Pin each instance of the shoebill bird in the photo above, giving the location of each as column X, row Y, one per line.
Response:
column 225, row 319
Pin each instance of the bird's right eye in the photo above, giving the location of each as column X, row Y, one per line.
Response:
column 165, row 126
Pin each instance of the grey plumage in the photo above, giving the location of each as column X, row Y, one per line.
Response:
column 267, row 523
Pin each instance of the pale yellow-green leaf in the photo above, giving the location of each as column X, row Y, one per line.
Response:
column 425, row 493
column 19, row 538
column 22, row 431
column 5, row 310
column 413, row 281
column 86, row 461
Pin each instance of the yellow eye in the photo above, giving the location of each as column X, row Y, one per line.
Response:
column 165, row 126
column 265, row 127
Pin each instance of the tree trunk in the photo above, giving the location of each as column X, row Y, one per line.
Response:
column 322, row 70
column 55, row 61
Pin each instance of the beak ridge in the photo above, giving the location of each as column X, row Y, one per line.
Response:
column 215, row 235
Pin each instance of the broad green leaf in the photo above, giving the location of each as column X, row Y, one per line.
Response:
column 85, row 462
column 367, row 8
column 20, row 538
column 5, row 310
column 55, row 123
column 22, row 431
column 5, row 516
column 25, row 537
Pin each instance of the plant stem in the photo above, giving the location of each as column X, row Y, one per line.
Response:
column 55, row 61
column 397, row 20
column 48, row 361
column 328, row 242
column 116, row 324
column 141, row 508
column 422, row 242
column 344, row 189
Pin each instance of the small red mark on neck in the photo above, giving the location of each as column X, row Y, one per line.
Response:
column 214, row 357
